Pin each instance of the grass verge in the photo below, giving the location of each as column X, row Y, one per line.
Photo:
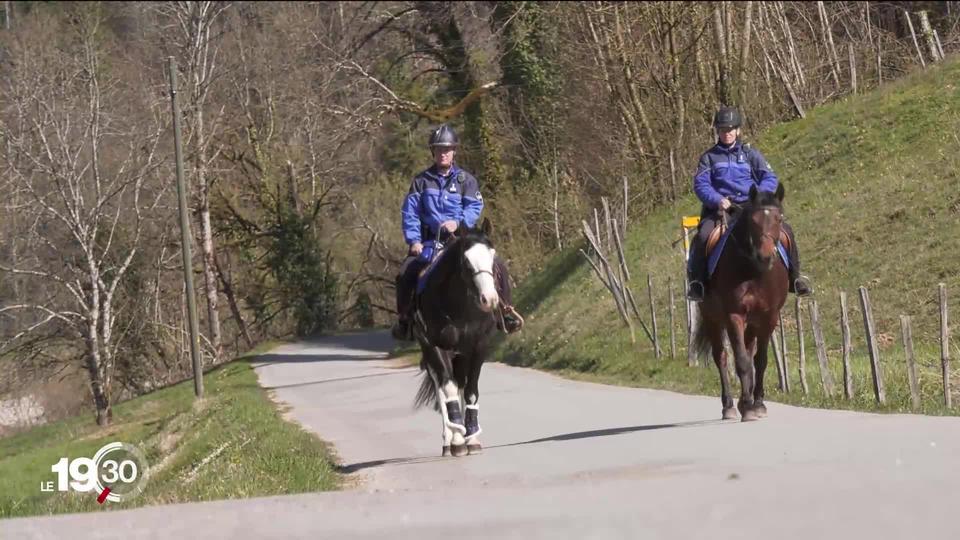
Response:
column 231, row 444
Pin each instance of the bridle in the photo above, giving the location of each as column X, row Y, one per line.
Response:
column 749, row 237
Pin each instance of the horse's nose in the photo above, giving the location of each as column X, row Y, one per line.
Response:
column 488, row 302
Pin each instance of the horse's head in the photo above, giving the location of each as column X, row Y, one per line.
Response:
column 476, row 263
column 764, row 217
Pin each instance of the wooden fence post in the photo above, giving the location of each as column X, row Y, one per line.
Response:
column 845, row 331
column 802, row 349
column 673, row 332
column 783, row 353
column 653, row 318
column 945, row 346
column 911, row 364
column 826, row 378
column 874, row 351
column 779, row 358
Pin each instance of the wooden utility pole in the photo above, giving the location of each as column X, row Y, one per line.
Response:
column 185, row 238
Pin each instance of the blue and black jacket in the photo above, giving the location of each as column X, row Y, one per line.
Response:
column 729, row 172
column 433, row 199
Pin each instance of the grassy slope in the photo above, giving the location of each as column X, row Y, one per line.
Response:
column 265, row 455
column 872, row 193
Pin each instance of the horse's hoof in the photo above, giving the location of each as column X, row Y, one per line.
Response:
column 749, row 416
column 760, row 410
column 474, row 449
column 446, row 452
column 459, row 450
column 730, row 413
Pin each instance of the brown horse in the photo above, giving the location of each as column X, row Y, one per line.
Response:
column 747, row 290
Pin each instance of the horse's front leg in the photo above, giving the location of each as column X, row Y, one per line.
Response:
column 743, row 360
column 472, row 402
column 448, row 396
column 760, row 361
column 720, row 359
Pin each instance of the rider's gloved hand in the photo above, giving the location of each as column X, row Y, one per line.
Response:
column 725, row 204
column 416, row 249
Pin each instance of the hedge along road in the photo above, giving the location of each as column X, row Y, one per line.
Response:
column 566, row 459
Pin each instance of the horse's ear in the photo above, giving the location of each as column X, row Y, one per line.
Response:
column 780, row 192
column 753, row 193
column 486, row 228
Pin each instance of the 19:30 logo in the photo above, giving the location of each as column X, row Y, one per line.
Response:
column 117, row 472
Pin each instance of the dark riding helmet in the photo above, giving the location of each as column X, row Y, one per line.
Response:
column 727, row 117
column 443, row 136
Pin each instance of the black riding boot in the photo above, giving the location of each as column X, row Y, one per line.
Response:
column 799, row 284
column 405, row 283
column 512, row 321
column 696, row 271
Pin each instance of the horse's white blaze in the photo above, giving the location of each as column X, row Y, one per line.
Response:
column 481, row 261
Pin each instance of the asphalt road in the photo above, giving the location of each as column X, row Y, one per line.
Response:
column 566, row 459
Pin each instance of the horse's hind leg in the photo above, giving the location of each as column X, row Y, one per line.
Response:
column 720, row 359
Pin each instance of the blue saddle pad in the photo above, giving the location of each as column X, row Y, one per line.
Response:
column 718, row 250
column 424, row 274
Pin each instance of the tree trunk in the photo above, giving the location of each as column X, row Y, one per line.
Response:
column 206, row 232
column 234, row 307
column 723, row 90
column 745, row 51
column 928, row 34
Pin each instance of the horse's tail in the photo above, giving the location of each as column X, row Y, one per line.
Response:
column 700, row 343
column 427, row 394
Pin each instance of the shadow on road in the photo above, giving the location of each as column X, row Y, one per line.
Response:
column 608, row 432
column 354, row 467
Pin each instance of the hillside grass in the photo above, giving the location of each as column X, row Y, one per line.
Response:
column 231, row 444
column 872, row 193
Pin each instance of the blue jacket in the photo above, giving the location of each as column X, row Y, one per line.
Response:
column 433, row 199
column 729, row 172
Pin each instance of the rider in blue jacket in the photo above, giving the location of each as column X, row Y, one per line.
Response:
column 440, row 199
column 724, row 176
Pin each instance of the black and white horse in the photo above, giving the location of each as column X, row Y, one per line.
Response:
column 454, row 323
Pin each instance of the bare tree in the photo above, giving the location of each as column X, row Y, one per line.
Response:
column 198, row 46
column 81, row 162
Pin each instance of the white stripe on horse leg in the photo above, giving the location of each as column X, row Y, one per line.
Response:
column 446, row 432
column 451, row 391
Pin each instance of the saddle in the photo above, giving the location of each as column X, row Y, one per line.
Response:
column 718, row 240
column 424, row 275
column 718, row 233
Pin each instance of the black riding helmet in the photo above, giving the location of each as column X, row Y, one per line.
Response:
column 443, row 136
column 727, row 117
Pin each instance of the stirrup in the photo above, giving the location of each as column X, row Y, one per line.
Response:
column 696, row 291
column 511, row 320
column 802, row 286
